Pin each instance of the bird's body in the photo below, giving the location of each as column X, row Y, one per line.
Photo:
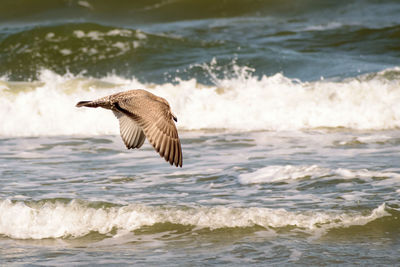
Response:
column 142, row 114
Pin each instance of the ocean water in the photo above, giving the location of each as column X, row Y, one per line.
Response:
column 288, row 114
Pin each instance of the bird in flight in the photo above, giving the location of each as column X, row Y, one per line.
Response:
column 142, row 115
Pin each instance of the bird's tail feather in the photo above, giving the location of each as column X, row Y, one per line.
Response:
column 90, row 104
column 103, row 102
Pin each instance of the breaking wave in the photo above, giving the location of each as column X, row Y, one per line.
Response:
column 241, row 102
column 76, row 218
column 286, row 173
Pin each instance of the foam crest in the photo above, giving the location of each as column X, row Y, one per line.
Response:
column 369, row 139
column 48, row 107
column 324, row 27
column 278, row 173
column 287, row 173
column 76, row 219
column 243, row 102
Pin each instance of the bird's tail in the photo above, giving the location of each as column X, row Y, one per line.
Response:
column 102, row 102
column 86, row 104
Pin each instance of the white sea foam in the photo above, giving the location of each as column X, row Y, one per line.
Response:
column 76, row 219
column 241, row 103
column 279, row 173
column 97, row 35
column 323, row 27
column 368, row 139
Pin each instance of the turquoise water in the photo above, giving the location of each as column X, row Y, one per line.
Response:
column 288, row 117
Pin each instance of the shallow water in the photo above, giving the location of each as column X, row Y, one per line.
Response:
column 255, row 197
column 288, row 116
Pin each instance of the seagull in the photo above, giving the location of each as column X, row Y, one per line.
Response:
column 142, row 115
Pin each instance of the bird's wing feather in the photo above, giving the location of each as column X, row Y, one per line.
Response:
column 131, row 132
column 155, row 120
column 163, row 135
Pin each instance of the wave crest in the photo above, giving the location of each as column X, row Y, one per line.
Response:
column 241, row 103
column 287, row 173
column 52, row 219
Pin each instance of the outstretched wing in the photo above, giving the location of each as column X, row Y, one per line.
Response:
column 155, row 120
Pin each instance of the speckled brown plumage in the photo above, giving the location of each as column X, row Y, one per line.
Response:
column 141, row 115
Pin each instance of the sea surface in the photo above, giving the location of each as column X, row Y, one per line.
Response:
column 289, row 118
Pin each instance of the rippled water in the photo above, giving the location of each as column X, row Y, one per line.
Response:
column 246, row 197
column 162, row 40
column 288, row 116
